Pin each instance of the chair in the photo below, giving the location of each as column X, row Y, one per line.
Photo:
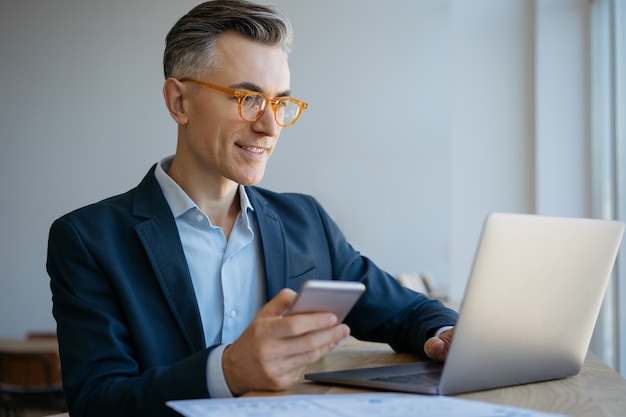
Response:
column 41, row 335
column 425, row 284
column 30, row 380
column 418, row 282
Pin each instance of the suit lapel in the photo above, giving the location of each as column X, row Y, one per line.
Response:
column 159, row 236
column 273, row 243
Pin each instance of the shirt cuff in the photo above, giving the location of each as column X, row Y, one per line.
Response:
column 215, row 380
column 442, row 330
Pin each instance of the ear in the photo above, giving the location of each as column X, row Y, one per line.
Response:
column 175, row 93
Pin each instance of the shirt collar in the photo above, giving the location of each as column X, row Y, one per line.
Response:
column 178, row 199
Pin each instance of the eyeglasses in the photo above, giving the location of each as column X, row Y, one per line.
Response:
column 252, row 104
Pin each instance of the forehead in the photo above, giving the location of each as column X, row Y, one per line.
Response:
column 241, row 60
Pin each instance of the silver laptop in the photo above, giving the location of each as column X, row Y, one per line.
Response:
column 529, row 310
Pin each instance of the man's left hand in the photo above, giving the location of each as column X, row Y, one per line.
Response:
column 436, row 348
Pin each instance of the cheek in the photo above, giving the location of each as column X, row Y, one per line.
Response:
column 211, row 109
column 215, row 130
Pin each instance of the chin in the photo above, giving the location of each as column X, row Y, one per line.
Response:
column 250, row 181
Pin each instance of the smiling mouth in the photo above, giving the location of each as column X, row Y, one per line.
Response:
column 253, row 149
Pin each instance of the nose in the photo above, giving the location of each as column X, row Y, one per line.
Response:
column 267, row 123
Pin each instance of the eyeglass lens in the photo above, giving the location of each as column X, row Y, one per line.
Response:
column 285, row 110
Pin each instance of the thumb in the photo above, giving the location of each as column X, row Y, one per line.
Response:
column 278, row 305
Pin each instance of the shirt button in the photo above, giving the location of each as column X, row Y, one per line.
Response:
column 232, row 314
column 199, row 218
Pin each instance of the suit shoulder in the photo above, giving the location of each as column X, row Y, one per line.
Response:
column 113, row 203
column 148, row 192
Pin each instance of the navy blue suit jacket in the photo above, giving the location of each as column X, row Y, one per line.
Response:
column 128, row 323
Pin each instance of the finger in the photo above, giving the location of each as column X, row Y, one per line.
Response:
column 434, row 348
column 304, row 350
column 287, row 354
column 275, row 339
column 269, row 363
column 278, row 305
column 300, row 324
column 316, row 341
column 437, row 347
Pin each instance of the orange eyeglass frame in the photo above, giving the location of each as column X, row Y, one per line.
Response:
column 242, row 94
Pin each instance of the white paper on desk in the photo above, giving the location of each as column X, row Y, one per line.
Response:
column 349, row 405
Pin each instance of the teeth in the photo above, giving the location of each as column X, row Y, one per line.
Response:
column 254, row 149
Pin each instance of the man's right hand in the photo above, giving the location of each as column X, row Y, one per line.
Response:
column 273, row 351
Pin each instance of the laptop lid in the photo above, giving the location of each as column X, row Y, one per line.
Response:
column 530, row 306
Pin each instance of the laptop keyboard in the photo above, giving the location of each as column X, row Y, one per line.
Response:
column 417, row 378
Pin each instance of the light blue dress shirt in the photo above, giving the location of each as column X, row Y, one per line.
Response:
column 227, row 275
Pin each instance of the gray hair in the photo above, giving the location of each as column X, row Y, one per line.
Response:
column 190, row 44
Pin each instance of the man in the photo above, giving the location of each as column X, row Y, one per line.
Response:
column 177, row 288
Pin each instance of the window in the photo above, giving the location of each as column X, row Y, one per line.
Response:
column 608, row 161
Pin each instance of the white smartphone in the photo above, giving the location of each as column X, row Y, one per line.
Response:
column 337, row 297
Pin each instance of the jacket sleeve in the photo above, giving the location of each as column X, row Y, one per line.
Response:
column 105, row 369
column 388, row 312
column 315, row 248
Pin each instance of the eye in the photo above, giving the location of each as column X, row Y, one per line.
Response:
column 253, row 101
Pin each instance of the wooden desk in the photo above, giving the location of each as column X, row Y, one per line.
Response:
column 597, row 391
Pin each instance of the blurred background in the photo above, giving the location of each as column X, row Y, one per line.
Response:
column 425, row 115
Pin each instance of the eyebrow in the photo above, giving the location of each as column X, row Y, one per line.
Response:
column 253, row 87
